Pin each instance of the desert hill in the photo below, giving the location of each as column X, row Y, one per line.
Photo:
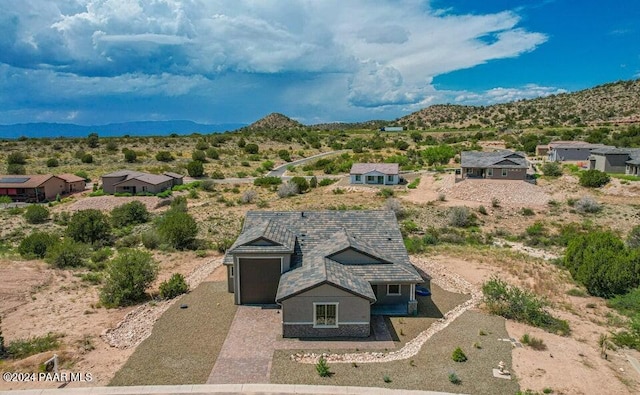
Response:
column 275, row 121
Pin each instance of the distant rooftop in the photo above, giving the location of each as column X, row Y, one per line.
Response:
column 384, row 168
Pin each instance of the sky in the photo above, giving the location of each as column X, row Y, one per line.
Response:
column 92, row 62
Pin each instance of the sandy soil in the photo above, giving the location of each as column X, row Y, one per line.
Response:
column 571, row 365
column 107, row 203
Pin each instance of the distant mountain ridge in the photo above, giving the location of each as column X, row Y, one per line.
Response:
column 139, row 128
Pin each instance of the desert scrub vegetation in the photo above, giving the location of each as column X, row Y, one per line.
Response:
column 587, row 204
column 173, row 287
column 533, row 342
column 127, row 277
column 36, row 244
column 178, row 228
column 458, row 355
column 520, row 305
column 551, row 169
column 594, row 178
column 414, row 184
column 22, row 348
column 89, row 226
column 132, row 213
column 36, row 214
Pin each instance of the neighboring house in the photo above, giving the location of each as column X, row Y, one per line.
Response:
column 375, row 173
column 328, row 270
column 130, row 181
column 562, row 151
column 177, row 178
column 392, row 129
column 74, row 183
column 32, row 188
column 500, row 165
column 616, row 160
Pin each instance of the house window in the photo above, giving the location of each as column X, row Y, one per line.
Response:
column 390, row 178
column 325, row 315
column 490, row 172
column 358, row 177
column 230, row 271
column 371, row 179
column 393, row 289
column 504, row 172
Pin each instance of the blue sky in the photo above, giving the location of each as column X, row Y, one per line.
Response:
column 102, row 61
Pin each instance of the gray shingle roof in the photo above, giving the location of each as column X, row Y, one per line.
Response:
column 384, row 168
column 501, row 159
column 270, row 230
column 320, row 234
column 612, row 151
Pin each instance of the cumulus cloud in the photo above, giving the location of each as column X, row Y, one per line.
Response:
column 367, row 54
column 503, row 95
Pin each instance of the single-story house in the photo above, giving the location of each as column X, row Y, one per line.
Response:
column 616, row 160
column 375, row 173
column 499, row 165
column 562, row 151
column 327, row 270
column 74, row 183
column 178, row 179
column 32, row 188
column 130, row 181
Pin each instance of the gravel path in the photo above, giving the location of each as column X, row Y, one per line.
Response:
column 508, row 192
column 439, row 276
column 137, row 324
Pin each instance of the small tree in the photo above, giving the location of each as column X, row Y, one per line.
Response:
column 89, row 226
column 195, row 168
column 87, row 158
column 16, row 158
column 130, row 156
column 66, row 254
column 127, row 278
column 594, row 178
column 36, row 244
column 323, row 368
column 251, row 148
column 93, row 140
column 313, row 182
column 302, row 183
column 175, row 286
column 552, row 169
column 36, row 214
column 52, row 162
column 129, row 214
column 178, row 228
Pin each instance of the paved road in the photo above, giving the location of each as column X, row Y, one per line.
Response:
column 279, row 171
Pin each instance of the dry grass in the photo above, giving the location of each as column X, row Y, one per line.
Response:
column 185, row 343
column 430, row 368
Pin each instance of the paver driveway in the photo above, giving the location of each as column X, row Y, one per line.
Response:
column 256, row 333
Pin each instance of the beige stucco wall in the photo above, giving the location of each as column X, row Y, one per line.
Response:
column 54, row 186
column 143, row 186
column 108, row 183
column 351, row 308
column 76, row 186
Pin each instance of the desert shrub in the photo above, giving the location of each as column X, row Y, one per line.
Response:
column 536, row 229
column 323, row 368
column 195, row 168
column 178, row 228
column 164, row 156
column 414, row 184
column 386, row 192
column 89, row 226
column 602, row 263
column 251, row 148
column 482, row 210
column 213, row 153
column 395, row 206
column 173, row 287
column 458, row 355
column 495, row 203
column 520, row 305
column 112, row 146
column 594, row 178
column 52, row 162
column 248, row 196
column 460, row 217
column 127, row 277
column 313, row 182
column 587, row 204
column 87, row 158
column 326, row 181
column 150, row 239
column 22, row 348
column 130, row 156
column 288, row 189
column 208, row 185
column 533, row 342
column 14, row 168
column 284, row 155
column 199, row 156
column 454, row 379
column 16, row 158
column 179, row 203
column 101, row 255
column 527, row 212
column 217, row 175
column 302, row 183
column 552, row 169
column 633, row 238
column 36, row 244
column 267, row 181
column 268, row 165
column 442, row 197
column 36, row 214
column 69, row 253
column 129, row 214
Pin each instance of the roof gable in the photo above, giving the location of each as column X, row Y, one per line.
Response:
column 506, row 162
column 353, row 256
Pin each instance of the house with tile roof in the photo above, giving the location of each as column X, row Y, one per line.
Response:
column 567, row 151
column 616, row 160
column 327, row 270
column 375, row 173
column 497, row 165
column 74, row 182
column 133, row 182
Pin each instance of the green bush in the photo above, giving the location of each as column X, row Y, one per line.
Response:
column 89, row 226
column 323, row 368
column 454, row 379
column 66, row 254
column 251, row 148
column 87, row 158
column 101, row 255
column 633, row 238
column 593, row 178
column 178, row 228
column 52, row 162
column 150, row 239
column 213, row 153
column 127, row 278
column 602, row 263
column 302, row 183
column 284, row 155
column 414, row 184
column 36, row 214
column 527, row 212
column 164, row 156
column 130, row 156
column 199, row 156
column 460, row 217
column 516, row 304
column 551, row 169
column 15, row 168
column 22, row 348
column 326, row 181
column 175, row 286
column 195, row 168
column 267, row 181
column 16, row 158
column 533, row 342
column 36, row 244
column 386, row 192
column 129, row 214
column 458, row 355
column 268, row 165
